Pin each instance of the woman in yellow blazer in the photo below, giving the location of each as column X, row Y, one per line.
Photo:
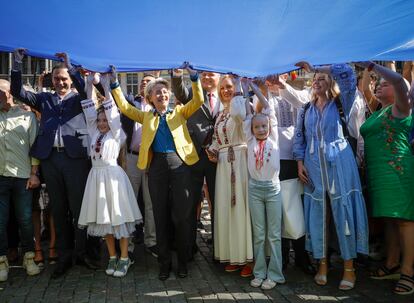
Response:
column 167, row 150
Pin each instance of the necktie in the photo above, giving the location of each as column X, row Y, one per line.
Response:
column 211, row 101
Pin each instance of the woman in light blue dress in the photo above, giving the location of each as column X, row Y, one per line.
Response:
column 327, row 166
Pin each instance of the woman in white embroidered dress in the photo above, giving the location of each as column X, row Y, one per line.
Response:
column 232, row 227
column 109, row 207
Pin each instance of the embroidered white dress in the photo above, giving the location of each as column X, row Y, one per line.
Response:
column 109, row 205
column 232, row 226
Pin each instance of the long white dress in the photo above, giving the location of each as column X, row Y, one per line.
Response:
column 109, row 205
column 232, row 226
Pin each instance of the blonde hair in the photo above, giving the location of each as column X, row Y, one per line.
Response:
column 333, row 91
column 222, row 78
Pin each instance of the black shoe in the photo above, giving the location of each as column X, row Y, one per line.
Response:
column 138, row 236
column 182, row 271
column 200, row 225
column 164, row 273
column 153, row 250
column 61, row 269
column 306, row 266
column 87, row 262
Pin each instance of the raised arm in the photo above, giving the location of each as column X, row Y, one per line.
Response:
column 344, row 75
column 401, row 107
column 262, row 99
column 88, row 107
column 247, row 123
column 198, row 97
column 237, row 104
column 111, row 111
column 16, row 85
column 297, row 98
column 181, row 92
column 127, row 109
column 370, row 98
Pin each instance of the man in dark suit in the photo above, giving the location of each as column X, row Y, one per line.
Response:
column 201, row 128
column 61, row 146
column 138, row 177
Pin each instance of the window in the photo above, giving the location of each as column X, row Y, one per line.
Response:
column 38, row 65
column 4, row 63
column 132, row 83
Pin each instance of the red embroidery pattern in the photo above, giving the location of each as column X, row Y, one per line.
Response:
column 231, row 157
column 98, row 146
column 390, row 144
column 261, row 154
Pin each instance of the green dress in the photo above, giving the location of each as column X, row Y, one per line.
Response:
column 390, row 164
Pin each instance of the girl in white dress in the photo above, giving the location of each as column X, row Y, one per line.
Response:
column 232, row 227
column 109, row 207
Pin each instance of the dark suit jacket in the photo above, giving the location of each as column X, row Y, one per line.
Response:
column 201, row 123
column 68, row 114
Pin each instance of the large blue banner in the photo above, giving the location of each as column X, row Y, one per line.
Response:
column 247, row 37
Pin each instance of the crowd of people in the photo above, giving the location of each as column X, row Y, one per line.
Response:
column 247, row 141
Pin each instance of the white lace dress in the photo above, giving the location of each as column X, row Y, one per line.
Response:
column 109, row 204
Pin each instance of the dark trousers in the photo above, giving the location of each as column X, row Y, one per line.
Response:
column 65, row 180
column 204, row 168
column 289, row 170
column 167, row 173
column 13, row 193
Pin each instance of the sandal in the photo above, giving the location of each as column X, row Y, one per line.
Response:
column 52, row 260
column 40, row 262
column 384, row 273
column 408, row 290
column 345, row 284
column 320, row 279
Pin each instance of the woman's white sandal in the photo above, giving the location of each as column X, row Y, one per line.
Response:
column 319, row 279
column 345, row 284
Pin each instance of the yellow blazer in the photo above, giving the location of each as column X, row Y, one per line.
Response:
column 176, row 120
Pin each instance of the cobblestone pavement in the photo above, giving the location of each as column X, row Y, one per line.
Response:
column 207, row 282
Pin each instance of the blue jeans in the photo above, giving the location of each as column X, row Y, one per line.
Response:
column 265, row 204
column 13, row 192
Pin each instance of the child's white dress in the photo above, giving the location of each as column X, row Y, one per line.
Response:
column 109, row 205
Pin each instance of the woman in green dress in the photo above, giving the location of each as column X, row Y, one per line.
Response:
column 390, row 170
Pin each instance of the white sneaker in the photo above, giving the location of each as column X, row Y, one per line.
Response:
column 112, row 264
column 268, row 284
column 256, row 282
column 4, row 268
column 29, row 264
column 122, row 268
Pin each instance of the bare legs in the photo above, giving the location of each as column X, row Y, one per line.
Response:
column 110, row 244
column 406, row 232
column 37, row 235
